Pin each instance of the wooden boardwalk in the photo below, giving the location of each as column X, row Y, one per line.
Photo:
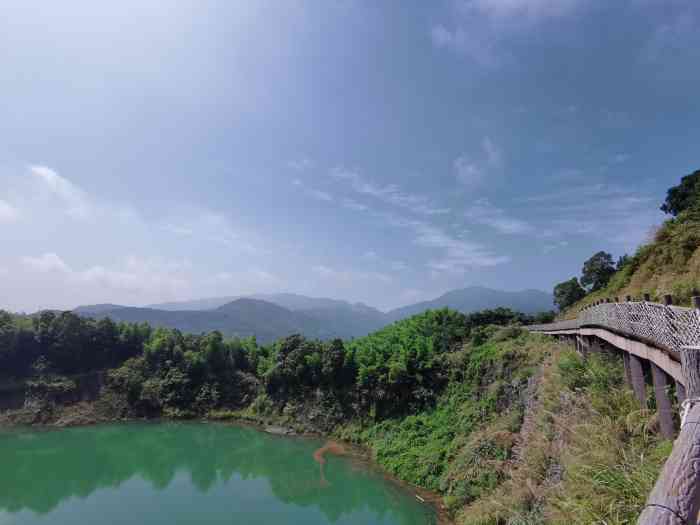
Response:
column 662, row 342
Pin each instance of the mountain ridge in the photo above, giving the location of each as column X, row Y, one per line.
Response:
column 271, row 316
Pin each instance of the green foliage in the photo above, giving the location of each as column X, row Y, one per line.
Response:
column 684, row 197
column 461, row 446
column 71, row 344
column 597, row 271
column 567, row 293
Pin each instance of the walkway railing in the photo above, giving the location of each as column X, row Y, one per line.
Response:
column 664, row 325
column 675, row 499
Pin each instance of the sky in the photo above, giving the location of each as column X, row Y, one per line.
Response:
column 382, row 152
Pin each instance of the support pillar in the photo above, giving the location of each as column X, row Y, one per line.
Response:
column 663, row 403
column 628, row 372
column 680, row 392
column 637, row 375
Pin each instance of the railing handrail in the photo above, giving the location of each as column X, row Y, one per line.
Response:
column 665, row 325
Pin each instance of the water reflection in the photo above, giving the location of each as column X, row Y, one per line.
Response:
column 42, row 469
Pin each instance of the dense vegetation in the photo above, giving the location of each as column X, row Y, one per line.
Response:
column 505, row 425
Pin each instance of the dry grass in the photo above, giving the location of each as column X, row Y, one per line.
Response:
column 670, row 264
column 592, row 455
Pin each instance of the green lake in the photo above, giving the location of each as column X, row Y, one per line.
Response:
column 190, row 473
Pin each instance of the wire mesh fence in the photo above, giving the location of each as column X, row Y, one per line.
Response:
column 669, row 327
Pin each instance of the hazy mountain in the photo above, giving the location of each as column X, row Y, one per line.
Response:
column 209, row 303
column 90, row 310
column 477, row 298
column 290, row 301
column 242, row 318
column 270, row 316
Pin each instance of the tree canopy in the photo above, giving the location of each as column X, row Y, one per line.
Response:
column 684, row 196
column 568, row 293
column 597, row 271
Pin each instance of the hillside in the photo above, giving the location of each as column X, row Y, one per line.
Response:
column 477, row 298
column 669, row 264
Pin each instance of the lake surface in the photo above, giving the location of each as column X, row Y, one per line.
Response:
column 190, row 473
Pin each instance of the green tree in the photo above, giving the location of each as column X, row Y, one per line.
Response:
column 684, row 196
column 597, row 271
column 623, row 261
column 567, row 293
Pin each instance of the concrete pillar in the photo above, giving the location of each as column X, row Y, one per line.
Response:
column 628, row 372
column 663, row 403
column 680, row 392
column 637, row 375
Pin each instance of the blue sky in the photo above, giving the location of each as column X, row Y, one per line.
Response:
column 382, row 152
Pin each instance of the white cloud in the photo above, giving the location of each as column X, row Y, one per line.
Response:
column 211, row 226
column 471, row 173
column 48, row 262
column 314, row 193
column 459, row 254
column 8, row 213
column 352, row 204
column 320, row 195
column 135, row 275
column 76, row 201
column 468, row 172
column 550, row 247
column 389, row 194
column 301, row 164
column 483, row 212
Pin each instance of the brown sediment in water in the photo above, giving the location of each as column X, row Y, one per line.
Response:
column 331, row 447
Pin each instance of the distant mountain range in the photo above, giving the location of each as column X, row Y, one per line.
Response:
column 271, row 316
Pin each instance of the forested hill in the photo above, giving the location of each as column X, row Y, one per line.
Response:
column 240, row 318
column 271, row 316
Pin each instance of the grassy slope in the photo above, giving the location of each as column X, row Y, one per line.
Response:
column 587, row 453
column 670, row 264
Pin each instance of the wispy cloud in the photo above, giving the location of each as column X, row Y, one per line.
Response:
column 615, row 214
column 136, row 275
column 472, row 171
column 211, row 226
column 352, row 204
column 321, row 195
column 344, row 276
column 483, row 212
column 8, row 212
column 480, row 29
column 550, row 247
column 389, row 194
column 459, row 255
column 314, row 193
column 301, row 164
column 75, row 199
column 675, row 38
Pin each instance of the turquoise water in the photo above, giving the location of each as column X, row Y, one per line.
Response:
column 189, row 473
